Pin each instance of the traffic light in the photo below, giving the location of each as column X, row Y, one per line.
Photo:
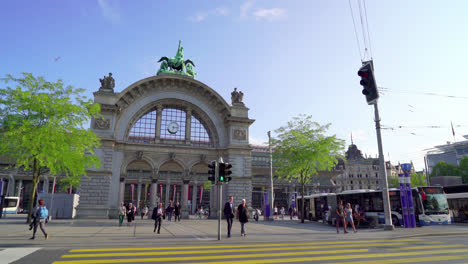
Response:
column 368, row 82
column 225, row 172
column 212, row 172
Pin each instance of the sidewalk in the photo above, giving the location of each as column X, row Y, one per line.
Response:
column 83, row 233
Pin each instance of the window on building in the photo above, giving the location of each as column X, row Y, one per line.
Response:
column 169, row 116
column 198, row 134
column 144, row 130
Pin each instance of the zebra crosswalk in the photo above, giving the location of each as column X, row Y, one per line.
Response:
column 9, row 255
column 346, row 251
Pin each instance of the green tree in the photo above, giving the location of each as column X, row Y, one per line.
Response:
column 463, row 167
column 445, row 169
column 393, row 182
column 415, row 179
column 302, row 150
column 42, row 127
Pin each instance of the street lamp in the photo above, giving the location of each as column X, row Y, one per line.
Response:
column 271, row 177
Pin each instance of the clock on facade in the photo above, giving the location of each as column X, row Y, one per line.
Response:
column 173, row 127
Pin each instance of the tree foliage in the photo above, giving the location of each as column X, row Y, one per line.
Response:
column 302, row 149
column 445, row 169
column 42, row 128
column 393, row 181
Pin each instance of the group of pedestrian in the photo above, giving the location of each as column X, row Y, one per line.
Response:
column 344, row 216
column 241, row 213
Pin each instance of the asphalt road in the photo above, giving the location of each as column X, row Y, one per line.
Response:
column 195, row 241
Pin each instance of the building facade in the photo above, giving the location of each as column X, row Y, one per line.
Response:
column 450, row 153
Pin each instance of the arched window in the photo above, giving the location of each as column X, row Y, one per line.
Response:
column 144, row 129
column 173, row 128
column 173, row 124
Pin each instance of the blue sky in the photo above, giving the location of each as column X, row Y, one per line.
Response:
column 287, row 57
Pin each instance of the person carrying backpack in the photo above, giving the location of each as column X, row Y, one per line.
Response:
column 41, row 214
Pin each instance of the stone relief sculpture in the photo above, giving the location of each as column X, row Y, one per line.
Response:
column 139, row 155
column 107, row 84
column 236, row 97
column 102, row 123
column 177, row 65
column 240, row 134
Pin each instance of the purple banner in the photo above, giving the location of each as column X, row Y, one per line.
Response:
column 403, row 197
column 409, row 197
column 267, row 205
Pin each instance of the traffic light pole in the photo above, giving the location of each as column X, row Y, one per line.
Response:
column 220, row 189
column 383, row 171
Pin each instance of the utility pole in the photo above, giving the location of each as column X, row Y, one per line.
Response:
column 366, row 72
column 220, row 197
column 271, row 189
column 383, row 171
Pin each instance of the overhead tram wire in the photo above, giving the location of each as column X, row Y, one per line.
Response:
column 355, row 31
column 367, row 26
column 363, row 29
column 385, row 90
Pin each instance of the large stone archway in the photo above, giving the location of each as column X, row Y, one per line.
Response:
column 158, row 135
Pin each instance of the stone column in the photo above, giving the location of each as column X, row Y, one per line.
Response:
column 168, row 190
column 213, row 201
column 45, row 186
column 138, row 195
column 194, row 197
column 20, row 185
column 188, row 124
column 121, row 190
column 159, row 110
column 153, row 194
column 11, row 185
column 184, row 211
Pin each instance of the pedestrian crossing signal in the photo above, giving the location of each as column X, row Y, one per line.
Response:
column 225, row 172
column 211, row 172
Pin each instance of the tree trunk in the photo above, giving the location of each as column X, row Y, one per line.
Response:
column 303, row 204
column 35, row 181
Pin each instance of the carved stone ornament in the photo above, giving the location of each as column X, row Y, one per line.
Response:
column 240, row 134
column 107, row 84
column 202, row 157
column 237, row 97
column 102, row 123
column 172, row 155
column 139, row 155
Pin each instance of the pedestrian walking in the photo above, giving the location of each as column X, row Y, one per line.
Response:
column 349, row 216
column 290, row 212
column 243, row 216
column 340, row 215
column 144, row 211
column 158, row 215
column 177, row 210
column 201, row 212
column 41, row 215
column 275, row 214
column 169, row 211
column 229, row 214
column 122, row 213
column 130, row 214
column 282, row 213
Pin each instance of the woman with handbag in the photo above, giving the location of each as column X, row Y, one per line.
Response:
column 243, row 216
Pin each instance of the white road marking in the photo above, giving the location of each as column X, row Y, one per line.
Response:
column 8, row 255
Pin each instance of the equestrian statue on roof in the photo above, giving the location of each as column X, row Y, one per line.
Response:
column 177, row 65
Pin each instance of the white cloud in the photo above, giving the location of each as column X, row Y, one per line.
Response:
column 245, row 7
column 220, row 11
column 269, row 14
column 258, row 141
column 197, row 18
column 108, row 11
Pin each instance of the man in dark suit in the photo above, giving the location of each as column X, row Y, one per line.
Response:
column 158, row 213
column 229, row 213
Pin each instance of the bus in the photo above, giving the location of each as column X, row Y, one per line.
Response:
column 430, row 205
column 11, row 205
column 457, row 197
